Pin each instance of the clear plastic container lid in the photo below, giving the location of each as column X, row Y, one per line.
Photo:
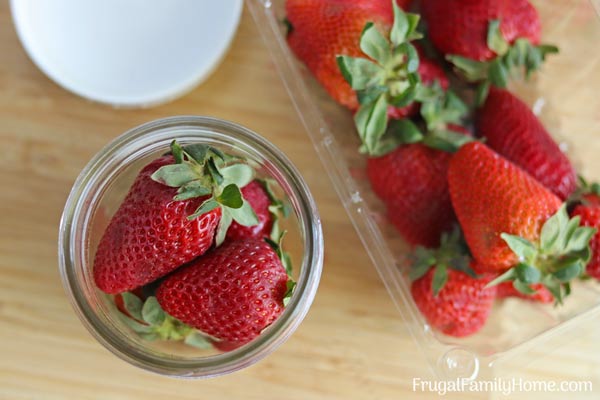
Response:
column 564, row 94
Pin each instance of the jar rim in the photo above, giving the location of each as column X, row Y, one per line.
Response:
column 141, row 140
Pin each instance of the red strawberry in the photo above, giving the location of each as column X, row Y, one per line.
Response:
column 512, row 130
column 150, row 234
column 170, row 215
column 257, row 197
column 323, row 29
column 486, row 39
column 541, row 295
column 590, row 216
column 411, row 181
column 231, row 293
column 493, row 196
column 461, row 26
column 510, row 220
column 462, row 306
column 446, row 289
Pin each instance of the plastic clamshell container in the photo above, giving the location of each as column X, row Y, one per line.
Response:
column 564, row 94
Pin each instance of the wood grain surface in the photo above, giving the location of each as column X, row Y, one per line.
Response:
column 352, row 345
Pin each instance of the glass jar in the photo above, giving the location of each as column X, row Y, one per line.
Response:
column 101, row 187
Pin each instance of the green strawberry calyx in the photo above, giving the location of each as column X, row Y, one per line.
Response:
column 452, row 253
column 389, row 77
column 204, row 171
column 151, row 322
column 439, row 112
column 286, row 261
column 560, row 256
column 522, row 55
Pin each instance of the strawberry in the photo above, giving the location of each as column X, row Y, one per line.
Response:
column 540, row 295
column 377, row 77
column 513, row 224
column 411, row 181
column 150, row 234
column 460, row 309
column 511, row 129
column 320, row 30
column 255, row 194
column 169, row 217
column 445, row 289
column 231, row 293
column 487, row 39
column 589, row 212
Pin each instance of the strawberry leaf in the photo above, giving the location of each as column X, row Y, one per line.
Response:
column 133, row 305
column 374, row 44
column 405, row 131
column 498, row 73
column 495, row 39
column 523, row 248
column 580, row 240
column 483, row 89
column 213, row 171
column 523, row 287
column 175, row 175
column 527, row 274
column 440, row 277
column 244, row 215
column 472, row 70
column 371, row 122
column 412, row 57
column 554, row 287
column 360, row 73
column 191, row 190
column 289, row 285
column 551, row 232
column 224, row 224
column 285, row 258
column 135, row 326
column 509, row 275
column 177, row 152
column 238, row 174
column 206, row 206
column 401, row 26
column 152, row 312
column 422, row 260
column 197, row 152
column 463, row 264
column 446, row 140
column 198, row 340
column 231, row 196
column 404, row 27
column 568, row 273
